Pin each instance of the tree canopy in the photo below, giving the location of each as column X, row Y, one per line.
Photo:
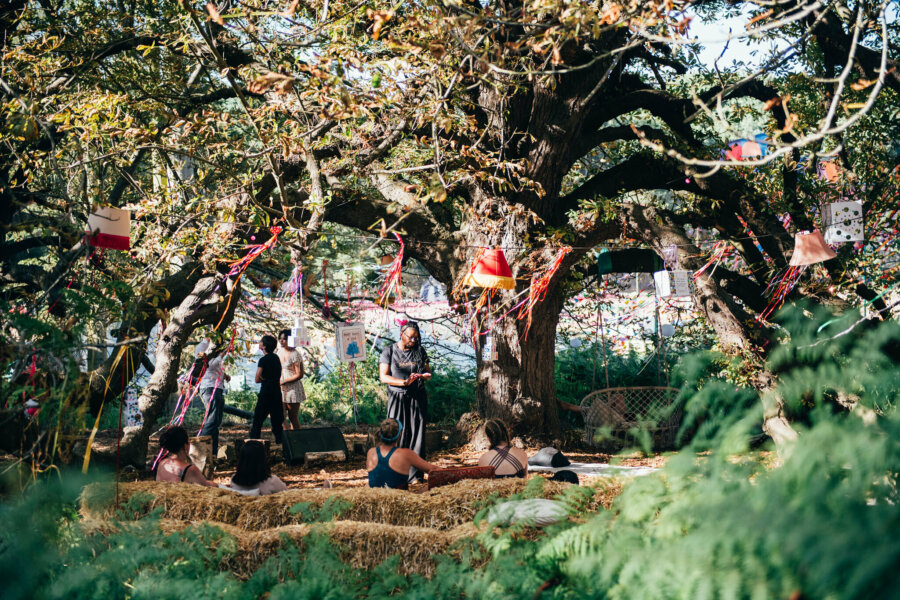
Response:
column 532, row 126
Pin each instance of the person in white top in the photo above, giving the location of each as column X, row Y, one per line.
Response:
column 252, row 476
column 292, row 371
column 212, row 392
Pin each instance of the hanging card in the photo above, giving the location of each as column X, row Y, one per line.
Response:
column 350, row 342
column 299, row 337
column 681, row 282
column 488, row 351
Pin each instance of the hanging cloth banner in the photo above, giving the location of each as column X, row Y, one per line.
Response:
column 631, row 260
column 109, row 227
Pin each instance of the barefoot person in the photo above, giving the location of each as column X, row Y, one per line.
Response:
column 404, row 368
column 389, row 465
column 176, row 466
column 268, row 403
column 292, row 372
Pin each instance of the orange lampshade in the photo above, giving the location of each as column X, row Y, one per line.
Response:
column 386, row 260
column 491, row 271
column 810, row 248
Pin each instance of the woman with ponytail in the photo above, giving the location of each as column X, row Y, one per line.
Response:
column 389, row 465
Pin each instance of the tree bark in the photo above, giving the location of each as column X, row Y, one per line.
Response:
column 206, row 304
column 519, row 387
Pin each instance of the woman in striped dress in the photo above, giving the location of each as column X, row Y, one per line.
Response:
column 292, row 393
column 404, row 368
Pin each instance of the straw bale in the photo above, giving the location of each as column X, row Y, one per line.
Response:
column 442, row 508
column 362, row 545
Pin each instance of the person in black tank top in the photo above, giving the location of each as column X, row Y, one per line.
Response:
column 506, row 460
column 389, row 465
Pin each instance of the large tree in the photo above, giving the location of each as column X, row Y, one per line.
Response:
column 530, row 126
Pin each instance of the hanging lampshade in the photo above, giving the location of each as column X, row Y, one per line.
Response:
column 386, row 260
column 491, row 271
column 109, row 227
column 751, row 150
column 734, row 152
column 810, row 248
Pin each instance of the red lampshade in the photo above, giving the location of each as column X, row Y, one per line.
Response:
column 491, row 271
column 810, row 248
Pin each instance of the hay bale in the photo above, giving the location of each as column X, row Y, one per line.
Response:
column 442, row 508
column 361, row 545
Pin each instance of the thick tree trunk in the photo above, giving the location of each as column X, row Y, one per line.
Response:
column 205, row 305
column 519, row 386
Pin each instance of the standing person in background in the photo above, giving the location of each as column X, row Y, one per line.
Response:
column 212, row 392
column 268, row 403
column 292, row 393
column 404, row 368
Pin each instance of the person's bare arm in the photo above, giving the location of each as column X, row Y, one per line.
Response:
column 195, row 476
column 385, row 376
column 420, row 463
column 258, row 374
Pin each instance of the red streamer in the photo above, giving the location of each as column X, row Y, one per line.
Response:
column 391, row 283
column 539, row 286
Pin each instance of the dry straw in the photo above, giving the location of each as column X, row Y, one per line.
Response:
column 442, row 508
column 362, row 545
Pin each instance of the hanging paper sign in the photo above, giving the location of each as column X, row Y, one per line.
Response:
column 109, row 227
column 667, row 330
column 672, row 283
column 843, row 222
column 488, row 351
column 350, row 342
column 299, row 337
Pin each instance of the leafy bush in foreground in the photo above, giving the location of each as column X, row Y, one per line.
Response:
column 825, row 523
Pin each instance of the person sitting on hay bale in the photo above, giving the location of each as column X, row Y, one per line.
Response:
column 389, row 465
column 253, row 477
column 507, row 460
column 176, row 466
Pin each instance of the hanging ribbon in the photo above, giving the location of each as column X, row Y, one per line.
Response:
column 391, row 285
column 239, row 266
column 352, row 370
column 90, row 442
column 326, row 310
column 538, row 289
column 781, row 289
